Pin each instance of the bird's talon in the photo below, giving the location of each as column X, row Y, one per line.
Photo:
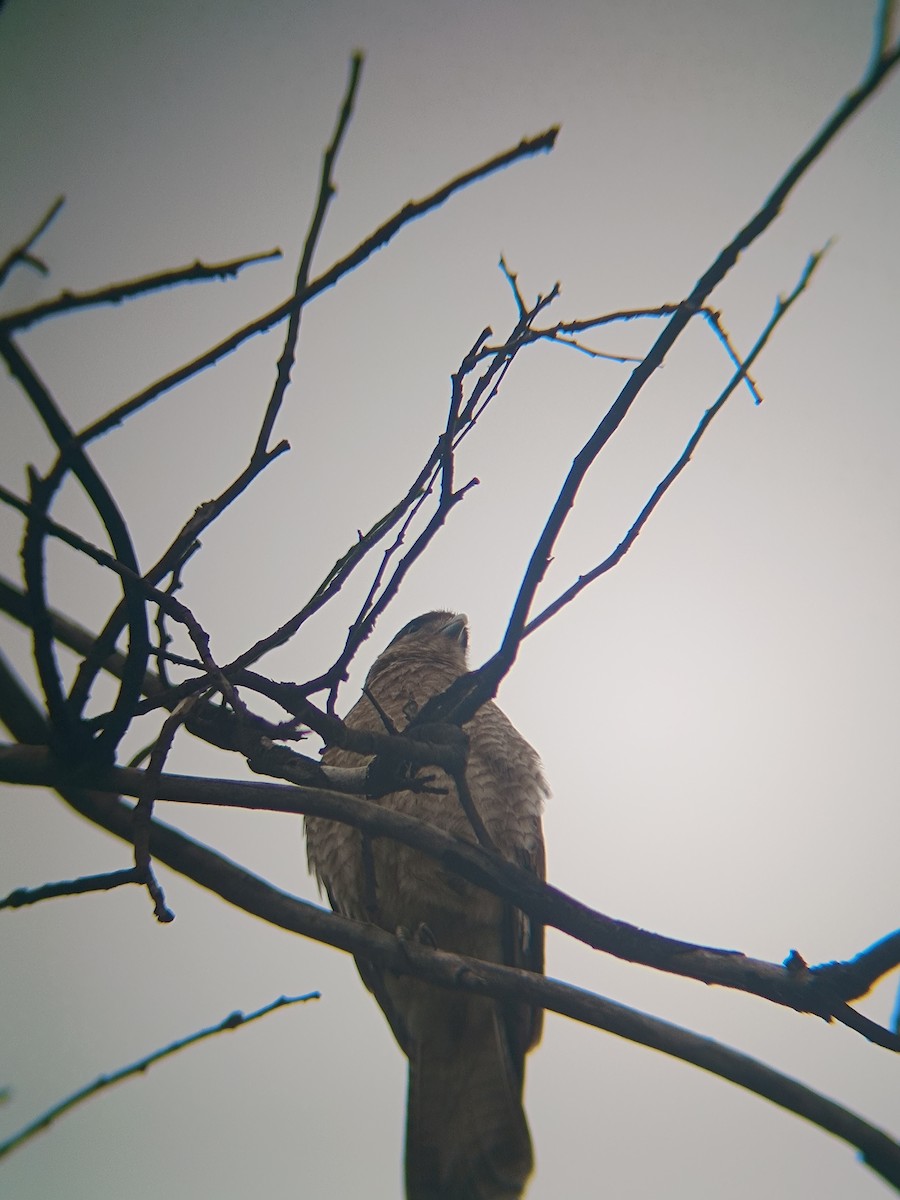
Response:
column 425, row 937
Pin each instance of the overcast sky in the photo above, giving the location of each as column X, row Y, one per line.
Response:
column 717, row 717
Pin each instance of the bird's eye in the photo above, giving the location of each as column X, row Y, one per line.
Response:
column 412, row 627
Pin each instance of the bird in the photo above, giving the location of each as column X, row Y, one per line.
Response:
column 467, row 1136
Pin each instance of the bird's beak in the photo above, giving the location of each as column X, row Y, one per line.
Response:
column 456, row 627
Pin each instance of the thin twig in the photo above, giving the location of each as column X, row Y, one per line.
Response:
column 884, row 25
column 461, row 419
column 166, row 600
column 468, row 694
column 115, row 293
column 143, row 810
column 411, row 211
column 161, row 654
column 342, row 569
column 714, row 319
column 612, row 560
column 22, row 253
column 513, row 281
column 364, row 624
column 176, row 554
column 70, row 887
column 326, row 193
column 604, row 354
column 233, row 1021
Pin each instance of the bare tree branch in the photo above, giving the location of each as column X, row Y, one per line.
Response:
column 233, row 1021
column 469, row 693
column 326, row 193
column 461, row 420
column 65, row 721
column 21, row 254
column 61, row 749
column 254, row 895
column 411, row 211
column 239, row 887
column 612, row 560
column 171, row 560
column 115, row 293
column 70, row 887
column 884, row 32
column 822, row 991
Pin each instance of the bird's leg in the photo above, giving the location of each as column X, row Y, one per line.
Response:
column 424, row 936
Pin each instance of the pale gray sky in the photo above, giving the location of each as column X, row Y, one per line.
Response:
column 717, row 717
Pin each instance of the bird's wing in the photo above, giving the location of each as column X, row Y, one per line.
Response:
column 523, row 945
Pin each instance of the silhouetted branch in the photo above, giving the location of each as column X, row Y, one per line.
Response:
column 513, row 281
column 411, row 211
column 172, row 559
column 462, row 418
column 714, row 319
column 22, row 253
column 854, row 978
column 252, row 894
column 115, row 293
column 822, row 991
column 35, row 576
column 434, row 738
column 218, row 727
column 612, row 560
column 417, row 492
column 65, row 720
column 469, row 693
column 70, row 887
column 233, row 1021
column 326, row 193
column 165, row 600
column 15, row 604
column 884, row 27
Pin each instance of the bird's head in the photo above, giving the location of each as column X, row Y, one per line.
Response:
column 441, row 637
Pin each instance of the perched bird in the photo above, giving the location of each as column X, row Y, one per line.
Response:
column 466, row 1133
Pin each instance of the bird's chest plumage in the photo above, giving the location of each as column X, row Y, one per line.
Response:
column 395, row 886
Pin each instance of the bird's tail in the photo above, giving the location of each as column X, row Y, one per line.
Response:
column 466, row 1133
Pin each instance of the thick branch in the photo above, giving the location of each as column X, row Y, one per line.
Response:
column 471, row 692
column 245, row 890
column 612, row 560
column 120, row 539
column 816, row 990
column 452, row 971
